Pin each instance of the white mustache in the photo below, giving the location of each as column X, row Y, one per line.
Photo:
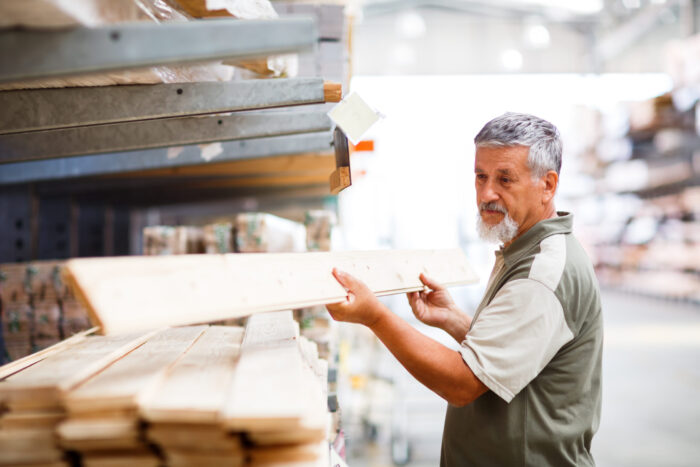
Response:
column 492, row 207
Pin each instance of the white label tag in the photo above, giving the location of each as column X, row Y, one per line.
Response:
column 354, row 117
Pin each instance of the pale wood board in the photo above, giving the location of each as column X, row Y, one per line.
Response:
column 129, row 293
column 41, row 385
column 138, row 458
column 205, row 371
column 189, row 459
column 290, row 453
column 273, row 387
column 119, row 386
column 22, row 363
column 15, row 420
column 28, row 446
column 193, row 437
column 101, row 429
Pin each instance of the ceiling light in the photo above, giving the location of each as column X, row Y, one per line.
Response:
column 537, row 35
column 410, row 25
column 512, row 60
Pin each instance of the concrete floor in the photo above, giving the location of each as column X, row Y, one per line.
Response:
column 651, row 384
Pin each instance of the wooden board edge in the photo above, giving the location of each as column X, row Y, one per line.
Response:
column 73, row 282
column 18, row 365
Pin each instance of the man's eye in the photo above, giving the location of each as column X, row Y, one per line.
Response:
column 481, row 177
column 505, row 180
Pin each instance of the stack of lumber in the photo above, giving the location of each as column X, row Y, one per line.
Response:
column 103, row 422
column 183, row 409
column 32, row 396
column 319, row 225
column 36, row 308
column 282, row 426
column 257, row 232
column 181, row 396
column 167, row 240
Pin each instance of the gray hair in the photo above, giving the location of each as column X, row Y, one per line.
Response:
column 515, row 129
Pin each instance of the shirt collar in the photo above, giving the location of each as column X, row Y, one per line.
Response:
column 562, row 224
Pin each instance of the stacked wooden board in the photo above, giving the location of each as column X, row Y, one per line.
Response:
column 32, row 396
column 180, row 396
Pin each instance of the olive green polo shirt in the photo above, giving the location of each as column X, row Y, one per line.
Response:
column 536, row 342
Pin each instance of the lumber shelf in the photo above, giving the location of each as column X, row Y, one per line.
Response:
column 139, row 293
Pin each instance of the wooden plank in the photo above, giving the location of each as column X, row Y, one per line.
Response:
column 205, row 370
column 31, row 420
column 312, row 178
column 28, row 446
column 41, row 385
column 178, row 458
column 130, row 293
column 19, row 365
column 290, row 453
column 340, row 179
column 271, row 360
column 267, row 165
column 194, row 437
column 88, row 434
column 135, row 458
column 119, row 386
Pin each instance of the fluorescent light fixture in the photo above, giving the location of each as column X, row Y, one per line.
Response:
column 537, row 35
column 410, row 25
column 584, row 7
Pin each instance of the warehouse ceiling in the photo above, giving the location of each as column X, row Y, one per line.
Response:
column 528, row 36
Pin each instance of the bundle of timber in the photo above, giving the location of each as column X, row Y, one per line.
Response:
column 36, row 308
column 32, row 395
column 181, row 396
column 319, row 226
column 167, row 240
column 91, row 13
column 102, row 422
column 257, row 232
column 183, row 408
column 281, row 425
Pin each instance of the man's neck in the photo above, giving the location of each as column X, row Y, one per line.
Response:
column 550, row 213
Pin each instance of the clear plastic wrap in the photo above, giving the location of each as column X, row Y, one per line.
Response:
column 93, row 13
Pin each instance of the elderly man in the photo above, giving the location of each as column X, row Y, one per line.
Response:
column 524, row 388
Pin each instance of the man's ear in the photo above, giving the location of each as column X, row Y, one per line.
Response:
column 550, row 182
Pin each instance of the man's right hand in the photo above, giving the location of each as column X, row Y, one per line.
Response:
column 436, row 308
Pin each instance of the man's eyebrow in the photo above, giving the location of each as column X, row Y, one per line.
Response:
column 508, row 172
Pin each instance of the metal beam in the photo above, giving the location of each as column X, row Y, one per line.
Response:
column 118, row 137
column 627, row 34
column 102, row 164
column 45, row 109
column 30, row 54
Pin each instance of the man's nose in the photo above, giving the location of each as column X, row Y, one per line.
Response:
column 486, row 193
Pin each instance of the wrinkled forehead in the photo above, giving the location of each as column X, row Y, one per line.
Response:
column 510, row 158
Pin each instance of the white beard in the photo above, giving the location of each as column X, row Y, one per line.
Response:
column 503, row 232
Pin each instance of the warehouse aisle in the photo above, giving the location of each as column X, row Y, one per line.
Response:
column 651, row 413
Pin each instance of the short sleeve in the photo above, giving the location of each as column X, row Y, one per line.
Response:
column 515, row 337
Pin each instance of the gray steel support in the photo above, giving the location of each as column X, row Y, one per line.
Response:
column 102, row 164
column 29, row 54
column 45, row 109
column 118, row 137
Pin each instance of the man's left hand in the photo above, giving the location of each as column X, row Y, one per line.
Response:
column 361, row 305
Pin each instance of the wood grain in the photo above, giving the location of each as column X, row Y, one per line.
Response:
column 25, row 362
column 119, row 386
column 270, row 360
column 135, row 293
column 205, row 371
column 40, row 386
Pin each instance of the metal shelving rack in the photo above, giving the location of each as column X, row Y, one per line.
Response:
column 50, row 137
